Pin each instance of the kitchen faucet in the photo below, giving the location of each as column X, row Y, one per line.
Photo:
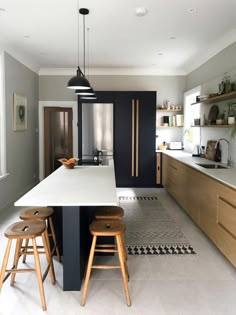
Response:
column 229, row 157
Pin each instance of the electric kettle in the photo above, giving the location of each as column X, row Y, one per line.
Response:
column 196, row 150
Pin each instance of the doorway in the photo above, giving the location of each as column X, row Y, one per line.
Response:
column 58, row 137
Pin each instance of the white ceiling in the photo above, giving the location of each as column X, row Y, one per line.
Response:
column 117, row 38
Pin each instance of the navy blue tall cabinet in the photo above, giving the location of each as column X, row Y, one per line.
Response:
column 134, row 136
column 134, row 139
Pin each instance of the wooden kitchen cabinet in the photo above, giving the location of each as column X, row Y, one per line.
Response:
column 178, row 181
column 158, row 168
column 210, row 203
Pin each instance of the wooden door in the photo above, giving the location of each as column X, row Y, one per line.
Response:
column 58, row 137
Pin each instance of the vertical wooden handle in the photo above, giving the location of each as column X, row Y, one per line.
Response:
column 132, row 158
column 137, row 136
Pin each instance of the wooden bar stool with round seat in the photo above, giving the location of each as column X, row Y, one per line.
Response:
column 108, row 212
column 107, row 228
column 42, row 213
column 21, row 231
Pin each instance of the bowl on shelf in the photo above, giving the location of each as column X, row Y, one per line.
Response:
column 69, row 163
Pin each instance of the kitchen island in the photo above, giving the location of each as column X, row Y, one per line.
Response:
column 74, row 191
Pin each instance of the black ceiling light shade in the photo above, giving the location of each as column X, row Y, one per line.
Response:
column 80, row 82
column 87, row 92
column 88, row 97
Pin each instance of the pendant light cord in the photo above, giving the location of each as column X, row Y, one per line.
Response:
column 88, row 52
column 78, row 38
column 84, row 41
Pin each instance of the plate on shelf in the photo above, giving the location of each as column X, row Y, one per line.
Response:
column 213, row 113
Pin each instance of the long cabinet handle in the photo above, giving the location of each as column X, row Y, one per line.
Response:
column 137, row 136
column 132, row 158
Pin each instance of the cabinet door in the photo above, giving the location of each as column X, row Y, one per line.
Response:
column 158, row 168
column 123, row 139
column 146, row 133
column 135, row 114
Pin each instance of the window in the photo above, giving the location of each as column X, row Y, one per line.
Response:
column 191, row 135
column 2, row 119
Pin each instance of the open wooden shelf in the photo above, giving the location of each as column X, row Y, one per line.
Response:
column 169, row 127
column 219, row 98
column 169, row 110
column 213, row 126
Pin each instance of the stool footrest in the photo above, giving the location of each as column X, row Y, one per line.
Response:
column 30, row 253
column 105, row 267
column 20, row 270
column 106, row 250
column 106, row 245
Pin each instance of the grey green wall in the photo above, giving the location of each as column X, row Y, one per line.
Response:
column 21, row 146
column 214, row 68
column 208, row 76
column 53, row 88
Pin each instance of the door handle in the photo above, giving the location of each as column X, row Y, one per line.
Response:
column 133, row 122
column 137, row 138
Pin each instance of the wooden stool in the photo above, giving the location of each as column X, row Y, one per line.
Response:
column 105, row 228
column 108, row 212
column 42, row 213
column 24, row 231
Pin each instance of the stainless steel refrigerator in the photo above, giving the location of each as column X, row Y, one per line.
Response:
column 97, row 132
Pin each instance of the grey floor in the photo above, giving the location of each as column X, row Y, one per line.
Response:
column 204, row 283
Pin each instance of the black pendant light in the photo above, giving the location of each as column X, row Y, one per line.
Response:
column 85, row 92
column 88, row 97
column 80, row 82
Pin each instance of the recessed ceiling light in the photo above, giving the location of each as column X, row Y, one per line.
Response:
column 192, row 10
column 141, row 11
column 160, row 54
column 172, row 37
column 26, row 36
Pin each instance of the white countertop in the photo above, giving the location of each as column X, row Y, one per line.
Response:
column 226, row 176
column 81, row 186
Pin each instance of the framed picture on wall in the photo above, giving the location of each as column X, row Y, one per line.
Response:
column 19, row 112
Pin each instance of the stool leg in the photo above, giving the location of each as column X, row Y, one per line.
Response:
column 124, row 256
column 122, row 265
column 88, row 273
column 16, row 259
column 39, row 274
column 54, row 238
column 26, row 245
column 5, row 261
column 123, row 242
column 48, row 256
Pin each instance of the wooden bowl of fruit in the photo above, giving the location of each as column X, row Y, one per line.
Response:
column 69, row 163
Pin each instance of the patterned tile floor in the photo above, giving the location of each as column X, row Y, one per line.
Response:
column 201, row 284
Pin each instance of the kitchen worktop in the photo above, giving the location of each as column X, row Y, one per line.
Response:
column 225, row 176
column 80, row 186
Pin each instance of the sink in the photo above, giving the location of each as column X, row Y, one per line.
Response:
column 212, row 166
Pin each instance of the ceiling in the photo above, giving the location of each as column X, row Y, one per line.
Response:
column 175, row 36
